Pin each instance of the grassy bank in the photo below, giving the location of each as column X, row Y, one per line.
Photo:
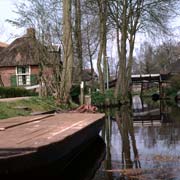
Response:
column 26, row 107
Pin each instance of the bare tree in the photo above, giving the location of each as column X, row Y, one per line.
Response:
column 146, row 59
column 78, row 39
column 129, row 17
column 166, row 54
column 90, row 41
column 66, row 78
column 157, row 59
column 102, row 55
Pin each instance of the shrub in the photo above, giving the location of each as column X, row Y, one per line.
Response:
column 102, row 99
column 175, row 82
column 9, row 92
column 98, row 98
column 174, row 86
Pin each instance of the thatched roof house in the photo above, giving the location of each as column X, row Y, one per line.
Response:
column 19, row 62
column 22, row 51
column 88, row 76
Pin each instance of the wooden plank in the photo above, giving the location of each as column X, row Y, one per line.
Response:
column 44, row 131
column 17, row 121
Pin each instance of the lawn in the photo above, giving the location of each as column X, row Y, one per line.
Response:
column 26, row 107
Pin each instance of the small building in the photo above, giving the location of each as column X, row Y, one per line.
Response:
column 20, row 61
column 88, row 75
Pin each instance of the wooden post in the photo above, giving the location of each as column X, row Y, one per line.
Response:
column 82, row 93
column 160, row 90
column 87, row 100
column 141, row 93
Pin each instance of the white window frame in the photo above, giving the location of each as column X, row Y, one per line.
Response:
column 27, row 74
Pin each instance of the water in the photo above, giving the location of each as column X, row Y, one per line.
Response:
column 142, row 142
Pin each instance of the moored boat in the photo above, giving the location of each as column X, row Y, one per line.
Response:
column 33, row 142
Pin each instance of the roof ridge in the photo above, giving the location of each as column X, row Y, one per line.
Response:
column 3, row 44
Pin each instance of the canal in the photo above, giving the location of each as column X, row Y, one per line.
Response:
column 142, row 142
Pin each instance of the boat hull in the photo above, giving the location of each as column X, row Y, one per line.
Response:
column 63, row 151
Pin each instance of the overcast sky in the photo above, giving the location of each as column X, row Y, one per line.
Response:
column 9, row 32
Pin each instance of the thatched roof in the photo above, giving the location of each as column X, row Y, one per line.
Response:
column 2, row 46
column 25, row 50
column 86, row 75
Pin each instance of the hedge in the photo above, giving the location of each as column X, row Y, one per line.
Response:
column 9, row 92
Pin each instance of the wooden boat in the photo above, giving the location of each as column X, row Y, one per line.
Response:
column 31, row 142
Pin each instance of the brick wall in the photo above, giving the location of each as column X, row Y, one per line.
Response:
column 34, row 70
column 6, row 73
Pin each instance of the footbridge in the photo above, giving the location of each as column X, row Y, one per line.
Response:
column 145, row 78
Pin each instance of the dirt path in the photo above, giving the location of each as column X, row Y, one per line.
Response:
column 13, row 99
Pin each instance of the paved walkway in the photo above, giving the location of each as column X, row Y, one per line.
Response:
column 13, row 99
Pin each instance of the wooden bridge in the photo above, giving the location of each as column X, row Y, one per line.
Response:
column 142, row 78
column 147, row 79
column 150, row 78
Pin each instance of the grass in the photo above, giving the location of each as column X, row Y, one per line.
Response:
column 34, row 104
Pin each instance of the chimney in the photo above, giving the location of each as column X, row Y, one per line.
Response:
column 31, row 33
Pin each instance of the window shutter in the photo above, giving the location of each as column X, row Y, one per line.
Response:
column 13, row 81
column 34, row 79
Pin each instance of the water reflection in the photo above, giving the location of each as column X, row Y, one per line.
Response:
column 142, row 150
column 178, row 103
column 156, row 112
column 126, row 129
column 137, row 103
column 106, row 134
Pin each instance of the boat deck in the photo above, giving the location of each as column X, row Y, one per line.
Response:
column 24, row 135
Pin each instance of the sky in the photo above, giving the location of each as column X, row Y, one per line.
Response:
column 8, row 32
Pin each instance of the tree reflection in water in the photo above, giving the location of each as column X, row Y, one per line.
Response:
column 106, row 133
column 128, row 141
column 141, row 150
column 126, row 129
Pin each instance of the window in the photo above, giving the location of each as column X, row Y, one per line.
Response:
column 23, row 75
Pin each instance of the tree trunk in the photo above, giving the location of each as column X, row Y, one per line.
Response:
column 102, row 4
column 129, row 25
column 105, row 60
column 122, row 70
column 78, row 38
column 118, row 82
column 66, row 78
